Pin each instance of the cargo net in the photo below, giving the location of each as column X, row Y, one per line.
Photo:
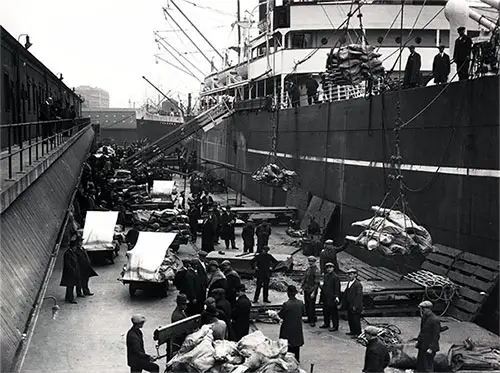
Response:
column 275, row 176
column 353, row 64
column 392, row 232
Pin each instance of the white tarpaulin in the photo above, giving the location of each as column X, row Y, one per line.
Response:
column 147, row 256
column 163, row 189
column 99, row 230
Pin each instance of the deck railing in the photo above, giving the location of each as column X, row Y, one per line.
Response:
column 35, row 139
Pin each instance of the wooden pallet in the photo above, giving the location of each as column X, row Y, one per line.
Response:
column 477, row 277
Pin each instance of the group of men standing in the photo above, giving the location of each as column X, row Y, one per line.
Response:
column 441, row 63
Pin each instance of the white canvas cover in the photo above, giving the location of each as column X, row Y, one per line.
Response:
column 163, row 189
column 99, row 230
column 146, row 258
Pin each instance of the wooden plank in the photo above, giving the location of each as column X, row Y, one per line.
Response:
column 163, row 333
column 476, row 270
column 445, row 250
column 377, row 274
column 472, row 295
column 479, row 260
column 466, row 305
column 428, row 266
column 459, row 314
column 441, row 259
column 469, row 281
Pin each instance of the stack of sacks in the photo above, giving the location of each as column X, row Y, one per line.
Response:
column 352, row 64
column 392, row 232
column 275, row 176
column 253, row 353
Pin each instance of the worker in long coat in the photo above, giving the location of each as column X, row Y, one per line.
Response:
column 291, row 327
column 178, row 314
column 185, row 282
column 194, row 215
column 233, row 281
column 201, row 283
column 70, row 274
column 227, row 222
column 377, row 356
column 353, row 303
column 441, row 66
column 208, row 235
column 330, row 295
column 461, row 53
column 247, row 234
column 329, row 255
column 412, row 76
column 263, row 233
column 86, row 270
column 240, row 314
column 310, row 286
column 428, row 338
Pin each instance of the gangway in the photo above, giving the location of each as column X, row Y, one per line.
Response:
column 158, row 149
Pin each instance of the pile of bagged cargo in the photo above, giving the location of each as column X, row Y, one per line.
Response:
column 352, row 64
column 253, row 353
column 275, row 176
column 392, row 232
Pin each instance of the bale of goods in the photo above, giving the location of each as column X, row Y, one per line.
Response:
column 353, row 64
column 275, row 176
column 392, row 232
column 253, row 353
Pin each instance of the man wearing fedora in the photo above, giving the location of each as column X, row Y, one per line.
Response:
column 86, row 270
column 179, row 314
column 461, row 54
column 428, row 338
column 377, row 357
column 137, row 359
column 441, row 66
column 291, row 327
column 241, row 314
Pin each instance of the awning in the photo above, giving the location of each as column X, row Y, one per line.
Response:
column 163, row 188
column 147, row 256
column 99, row 230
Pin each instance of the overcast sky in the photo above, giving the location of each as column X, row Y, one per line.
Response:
column 110, row 43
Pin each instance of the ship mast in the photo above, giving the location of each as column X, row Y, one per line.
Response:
column 238, row 20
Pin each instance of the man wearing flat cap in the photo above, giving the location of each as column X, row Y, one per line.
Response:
column 137, row 359
column 233, row 281
column 377, row 357
column 428, row 338
column 353, row 302
column 310, row 285
column 216, row 278
column 461, row 53
column 179, row 314
column 330, row 295
column 329, row 255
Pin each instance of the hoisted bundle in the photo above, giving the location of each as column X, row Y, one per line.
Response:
column 275, row 176
column 353, row 64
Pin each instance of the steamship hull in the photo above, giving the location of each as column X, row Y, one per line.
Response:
column 342, row 153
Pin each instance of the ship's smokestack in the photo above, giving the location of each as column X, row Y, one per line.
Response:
column 457, row 14
column 493, row 3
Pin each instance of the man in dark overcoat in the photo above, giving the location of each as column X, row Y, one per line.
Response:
column 330, row 295
column 428, row 338
column 377, row 357
column 194, row 216
column 224, row 307
column 227, row 222
column 412, row 76
column 291, row 327
column 137, row 359
column 201, row 283
column 185, row 282
column 208, row 235
column 71, row 273
column 233, row 281
column 263, row 264
column 86, row 270
column 441, row 66
column 247, row 234
column 353, row 303
column 178, row 314
column 263, row 233
column 310, row 286
column 240, row 314
column 461, row 53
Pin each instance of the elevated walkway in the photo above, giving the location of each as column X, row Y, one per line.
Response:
column 159, row 149
column 39, row 176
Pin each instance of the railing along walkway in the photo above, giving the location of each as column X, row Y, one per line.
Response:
column 43, row 139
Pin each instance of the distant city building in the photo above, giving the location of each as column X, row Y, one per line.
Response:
column 95, row 98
